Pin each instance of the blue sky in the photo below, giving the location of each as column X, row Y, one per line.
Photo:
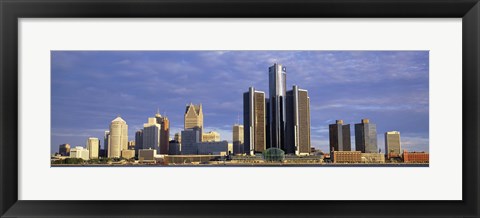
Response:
column 90, row 88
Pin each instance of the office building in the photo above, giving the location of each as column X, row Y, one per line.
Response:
column 64, row 149
column 106, row 136
column 128, row 154
column 373, row 158
column 147, row 155
column 189, row 139
column 254, row 121
column 211, row 136
column 392, row 144
column 164, row 132
column 93, row 146
column 118, row 138
column 138, row 141
column 366, row 137
column 193, row 117
column 151, row 135
column 339, row 136
column 178, row 137
column 237, row 139
column 346, row 156
column 174, row 148
column 415, row 157
column 297, row 127
column 212, row 148
column 131, row 145
column 79, row 152
column 277, row 77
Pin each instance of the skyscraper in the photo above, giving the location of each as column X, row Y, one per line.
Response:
column 366, row 137
column 93, row 146
column 190, row 137
column 106, row 138
column 164, row 132
column 193, row 117
column 138, row 140
column 297, row 130
column 254, row 121
column 118, row 137
column 340, row 136
column 277, row 77
column 392, row 143
column 237, row 139
column 151, row 134
column 64, row 149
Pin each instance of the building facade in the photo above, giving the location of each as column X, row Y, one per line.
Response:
column 237, row 139
column 339, row 136
column 415, row 157
column 366, row 137
column 151, row 136
column 93, row 146
column 193, row 117
column 106, row 136
column 254, row 121
column 189, row 139
column 79, row 152
column 277, row 77
column 346, row 156
column 211, row 136
column 138, row 141
column 118, row 138
column 212, row 148
column 392, row 144
column 164, row 132
column 297, row 128
column 64, row 149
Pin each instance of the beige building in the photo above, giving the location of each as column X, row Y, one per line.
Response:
column 118, row 138
column 373, row 158
column 346, row 156
column 79, row 152
column 128, row 154
column 211, row 136
column 392, row 143
column 237, row 139
column 93, row 146
column 193, row 116
column 131, row 145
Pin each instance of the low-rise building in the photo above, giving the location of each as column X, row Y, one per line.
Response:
column 79, row 152
column 346, row 156
column 213, row 148
column 147, row 155
column 415, row 157
column 373, row 158
column 128, row 154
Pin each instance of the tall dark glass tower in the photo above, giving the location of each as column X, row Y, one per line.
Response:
column 254, row 121
column 277, row 77
column 297, row 130
column 339, row 136
column 366, row 137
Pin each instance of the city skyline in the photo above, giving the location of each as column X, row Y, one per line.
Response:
column 393, row 93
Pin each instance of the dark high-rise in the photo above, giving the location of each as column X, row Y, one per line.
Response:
column 366, row 137
column 254, row 121
column 339, row 136
column 297, row 130
column 277, row 77
column 138, row 141
column 164, row 132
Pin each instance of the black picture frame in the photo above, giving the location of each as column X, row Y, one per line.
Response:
column 12, row 10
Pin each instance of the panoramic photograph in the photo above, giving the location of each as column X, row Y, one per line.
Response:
column 238, row 108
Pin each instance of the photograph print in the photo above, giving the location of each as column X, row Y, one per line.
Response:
column 239, row 108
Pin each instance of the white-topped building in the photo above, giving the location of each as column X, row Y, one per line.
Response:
column 79, row 152
column 118, row 138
